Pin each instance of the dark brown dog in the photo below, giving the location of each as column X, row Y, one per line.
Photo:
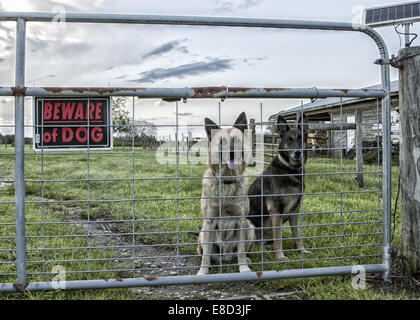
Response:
column 284, row 177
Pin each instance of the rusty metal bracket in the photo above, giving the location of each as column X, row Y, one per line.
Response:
column 20, row 288
column 382, row 62
column 395, row 62
column 18, row 92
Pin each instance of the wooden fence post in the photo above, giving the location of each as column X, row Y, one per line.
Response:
column 409, row 63
column 359, row 146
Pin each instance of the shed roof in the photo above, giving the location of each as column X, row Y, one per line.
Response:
column 329, row 102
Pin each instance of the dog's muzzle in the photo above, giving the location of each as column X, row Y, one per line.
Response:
column 297, row 155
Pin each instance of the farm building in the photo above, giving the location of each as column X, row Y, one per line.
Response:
column 328, row 110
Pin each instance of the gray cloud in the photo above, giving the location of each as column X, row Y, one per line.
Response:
column 49, row 5
column 55, row 47
column 166, row 47
column 9, row 36
column 184, row 114
column 171, row 46
column 249, row 3
column 120, row 77
column 42, row 78
column 7, row 39
column 182, row 71
column 223, row 5
column 249, row 61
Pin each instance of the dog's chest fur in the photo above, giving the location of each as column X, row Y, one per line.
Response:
column 284, row 180
column 278, row 180
column 222, row 204
column 226, row 229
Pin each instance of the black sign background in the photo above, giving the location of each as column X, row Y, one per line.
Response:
column 64, row 123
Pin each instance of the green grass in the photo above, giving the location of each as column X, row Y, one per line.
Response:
column 324, row 233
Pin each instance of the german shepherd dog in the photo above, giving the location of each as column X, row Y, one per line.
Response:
column 226, row 231
column 284, row 177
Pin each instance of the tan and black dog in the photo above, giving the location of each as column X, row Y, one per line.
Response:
column 226, row 232
column 283, row 176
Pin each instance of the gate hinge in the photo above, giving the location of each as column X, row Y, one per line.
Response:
column 393, row 62
column 382, row 62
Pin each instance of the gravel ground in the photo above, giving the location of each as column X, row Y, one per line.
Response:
column 159, row 264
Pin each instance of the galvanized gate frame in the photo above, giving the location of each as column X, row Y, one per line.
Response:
column 19, row 91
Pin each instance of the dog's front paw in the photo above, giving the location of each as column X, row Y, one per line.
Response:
column 203, row 271
column 282, row 257
column 244, row 269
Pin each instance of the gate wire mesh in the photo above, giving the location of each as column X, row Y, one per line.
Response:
column 135, row 211
column 123, row 216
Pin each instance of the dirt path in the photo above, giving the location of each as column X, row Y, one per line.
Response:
column 155, row 261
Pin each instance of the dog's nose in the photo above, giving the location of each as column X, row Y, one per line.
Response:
column 297, row 155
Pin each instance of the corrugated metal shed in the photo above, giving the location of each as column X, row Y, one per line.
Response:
column 326, row 103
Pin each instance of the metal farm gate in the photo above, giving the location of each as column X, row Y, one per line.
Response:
column 152, row 228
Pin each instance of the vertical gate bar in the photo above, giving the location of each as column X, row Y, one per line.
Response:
column 379, row 176
column 177, row 188
column 20, row 154
column 261, row 149
column 359, row 147
column 302, row 190
column 42, row 187
column 386, row 167
column 88, row 183
column 220, row 226
column 133, row 229
column 341, row 178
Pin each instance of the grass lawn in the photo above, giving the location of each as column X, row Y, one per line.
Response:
column 342, row 223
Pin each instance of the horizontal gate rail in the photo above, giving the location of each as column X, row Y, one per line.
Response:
column 174, row 94
column 180, row 280
column 194, row 93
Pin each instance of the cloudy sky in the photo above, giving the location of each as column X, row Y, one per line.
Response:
column 67, row 54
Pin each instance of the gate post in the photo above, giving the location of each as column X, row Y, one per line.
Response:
column 20, row 155
column 409, row 63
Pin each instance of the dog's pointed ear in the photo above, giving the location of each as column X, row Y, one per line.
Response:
column 282, row 126
column 303, row 122
column 241, row 123
column 210, row 125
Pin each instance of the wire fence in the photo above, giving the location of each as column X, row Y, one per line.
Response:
column 128, row 214
column 137, row 216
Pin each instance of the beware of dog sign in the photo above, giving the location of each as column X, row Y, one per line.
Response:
column 72, row 123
